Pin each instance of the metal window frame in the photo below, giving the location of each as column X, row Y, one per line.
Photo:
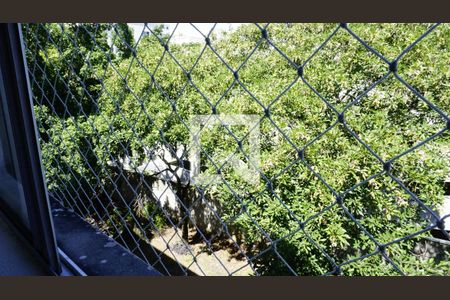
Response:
column 16, row 88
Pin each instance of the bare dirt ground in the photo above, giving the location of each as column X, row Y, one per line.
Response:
column 218, row 262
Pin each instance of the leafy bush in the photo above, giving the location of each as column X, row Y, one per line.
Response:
column 146, row 99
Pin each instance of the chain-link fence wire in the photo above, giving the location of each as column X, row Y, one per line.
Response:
column 115, row 128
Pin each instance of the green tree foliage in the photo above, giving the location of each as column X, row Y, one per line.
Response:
column 147, row 96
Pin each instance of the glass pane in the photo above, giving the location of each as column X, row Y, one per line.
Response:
column 11, row 192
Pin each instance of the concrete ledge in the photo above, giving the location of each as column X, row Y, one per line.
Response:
column 94, row 252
